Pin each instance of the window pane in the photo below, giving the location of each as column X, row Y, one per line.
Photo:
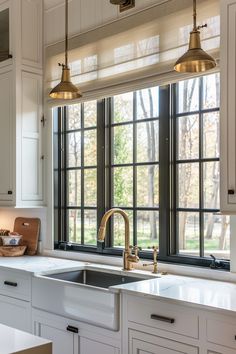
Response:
column 188, row 232
column 90, row 147
column 147, row 229
column 211, row 180
column 119, row 229
column 211, row 135
column 90, row 227
column 123, row 186
column 216, row 235
column 75, row 226
column 123, row 144
column 74, row 142
column 188, row 137
column 74, row 117
column 148, row 186
column 211, row 91
column 74, row 179
column 90, row 187
column 90, row 114
column 148, row 141
column 188, row 96
column 147, row 103
column 188, row 185
column 123, row 108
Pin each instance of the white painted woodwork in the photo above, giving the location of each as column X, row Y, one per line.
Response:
column 139, row 310
column 22, row 290
column 83, row 16
column 89, row 339
column 222, row 332
column 31, row 22
column 32, row 159
column 228, row 106
column 15, row 313
column 6, row 136
column 21, row 103
column 143, row 343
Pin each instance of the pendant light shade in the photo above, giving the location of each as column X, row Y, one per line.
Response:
column 65, row 90
column 195, row 59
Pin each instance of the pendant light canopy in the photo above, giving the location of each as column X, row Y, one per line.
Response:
column 195, row 59
column 65, row 90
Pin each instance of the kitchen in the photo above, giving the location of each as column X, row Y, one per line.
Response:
column 132, row 179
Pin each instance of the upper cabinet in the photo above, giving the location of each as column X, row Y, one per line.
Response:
column 21, row 99
column 228, row 106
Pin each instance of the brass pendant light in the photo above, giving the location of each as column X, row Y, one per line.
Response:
column 65, row 90
column 195, row 59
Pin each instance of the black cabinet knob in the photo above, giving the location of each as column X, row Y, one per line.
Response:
column 9, row 192
column 231, row 191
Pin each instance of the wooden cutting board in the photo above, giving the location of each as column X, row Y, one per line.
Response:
column 29, row 229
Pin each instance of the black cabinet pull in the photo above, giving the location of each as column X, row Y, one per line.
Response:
column 162, row 319
column 231, row 191
column 72, row 329
column 10, row 283
column 9, row 192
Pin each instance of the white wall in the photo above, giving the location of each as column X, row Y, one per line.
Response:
column 84, row 15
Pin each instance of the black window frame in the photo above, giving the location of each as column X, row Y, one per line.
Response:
column 168, row 245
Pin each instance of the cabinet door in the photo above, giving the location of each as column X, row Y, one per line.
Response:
column 15, row 313
column 32, row 159
column 6, row 141
column 142, row 343
column 228, row 106
column 88, row 346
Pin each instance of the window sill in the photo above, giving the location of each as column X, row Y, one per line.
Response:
column 176, row 269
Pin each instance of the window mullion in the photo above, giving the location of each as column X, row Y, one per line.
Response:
column 164, row 173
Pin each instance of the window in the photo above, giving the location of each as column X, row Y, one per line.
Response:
column 153, row 153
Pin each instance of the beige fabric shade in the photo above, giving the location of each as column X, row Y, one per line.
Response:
column 136, row 51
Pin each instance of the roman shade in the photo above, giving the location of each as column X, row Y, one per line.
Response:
column 136, row 51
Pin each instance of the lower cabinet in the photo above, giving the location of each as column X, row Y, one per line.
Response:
column 71, row 337
column 142, row 343
column 15, row 313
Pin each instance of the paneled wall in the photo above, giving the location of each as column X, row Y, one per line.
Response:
column 84, row 15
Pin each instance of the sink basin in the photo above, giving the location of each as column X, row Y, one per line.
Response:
column 83, row 294
column 94, row 278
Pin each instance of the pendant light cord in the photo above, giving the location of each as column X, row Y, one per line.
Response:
column 195, row 15
column 66, row 33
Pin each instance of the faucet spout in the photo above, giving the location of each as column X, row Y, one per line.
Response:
column 128, row 258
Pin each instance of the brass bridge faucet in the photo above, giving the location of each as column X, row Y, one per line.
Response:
column 128, row 257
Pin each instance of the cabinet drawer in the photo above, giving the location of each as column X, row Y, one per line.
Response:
column 15, row 284
column 164, row 316
column 221, row 332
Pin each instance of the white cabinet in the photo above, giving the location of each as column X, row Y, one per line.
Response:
column 73, row 337
column 143, row 343
column 15, row 313
column 15, row 299
column 228, row 106
column 21, row 100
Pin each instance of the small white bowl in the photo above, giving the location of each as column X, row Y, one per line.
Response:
column 11, row 240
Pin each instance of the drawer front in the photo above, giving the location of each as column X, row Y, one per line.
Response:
column 221, row 332
column 143, row 343
column 15, row 284
column 164, row 316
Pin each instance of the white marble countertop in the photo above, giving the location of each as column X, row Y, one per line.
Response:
column 38, row 264
column 211, row 294
column 217, row 295
column 15, row 341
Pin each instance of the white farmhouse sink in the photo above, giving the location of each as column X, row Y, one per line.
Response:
column 82, row 294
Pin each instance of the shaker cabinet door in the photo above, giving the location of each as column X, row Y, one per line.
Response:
column 228, row 107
